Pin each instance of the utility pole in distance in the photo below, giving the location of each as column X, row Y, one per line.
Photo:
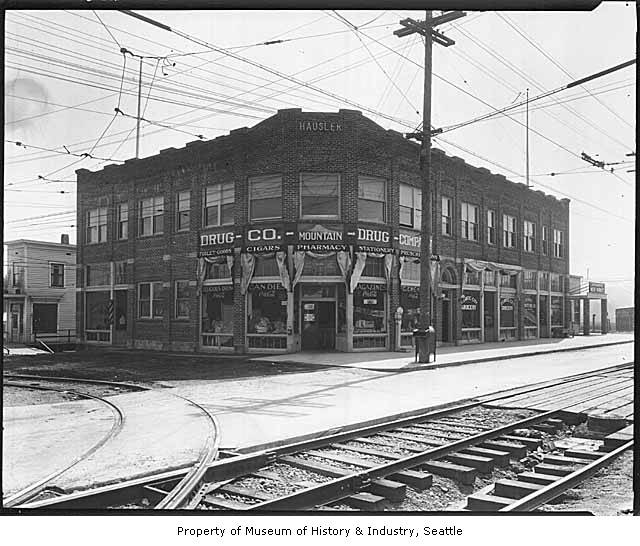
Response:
column 426, row 29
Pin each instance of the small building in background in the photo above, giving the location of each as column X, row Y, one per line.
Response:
column 39, row 291
column 624, row 319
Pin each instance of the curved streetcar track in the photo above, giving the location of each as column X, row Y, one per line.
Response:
column 360, row 467
column 32, row 490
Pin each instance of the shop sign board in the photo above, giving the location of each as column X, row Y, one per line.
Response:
column 373, row 240
column 469, row 303
column 317, row 238
column 316, row 126
column 596, row 287
column 530, row 304
column 216, row 244
column 218, row 291
column 267, row 289
column 262, row 240
column 409, row 243
column 506, row 304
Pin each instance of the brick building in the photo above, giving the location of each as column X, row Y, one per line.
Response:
column 301, row 233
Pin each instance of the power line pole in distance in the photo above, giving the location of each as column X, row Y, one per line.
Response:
column 427, row 30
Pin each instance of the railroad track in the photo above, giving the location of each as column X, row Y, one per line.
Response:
column 27, row 495
column 361, row 469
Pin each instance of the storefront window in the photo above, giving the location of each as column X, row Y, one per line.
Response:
column 471, row 276
column 217, row 309
column 556, row 311
column 217, row 268
column 470, row 305
column 555, row 283
column 411, row 270
column 507, row 313
column 544, row 281
column 529, row 280
column 267, row 310
column 489, row 277
column 410, row 303
column 374, row 267
column 507, row 280
column 369, row 309
column 321, row 267
column 97, row 311
column 265, row 266
column 530, row 311
column 99, row 274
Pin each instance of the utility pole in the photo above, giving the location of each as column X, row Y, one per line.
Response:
column 427, row 30
column 527, row 124
column 139, row 113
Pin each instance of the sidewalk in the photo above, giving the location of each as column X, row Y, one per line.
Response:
column 450, row 356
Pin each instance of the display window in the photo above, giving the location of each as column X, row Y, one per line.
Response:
column 267, row 309
column 556, row 311
column 97, row 314
column 410, row 303
column 507, row 313
column 530, row 311
column 217, row 316
column 470, row 305
column 369, row 303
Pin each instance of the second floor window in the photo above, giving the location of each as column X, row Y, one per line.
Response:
column 218, row 204
column 97, row 225
column 508, row 231
column 265, row 197
column 529, row 236
column 491, row 227
column 320, row 195
column 558, row 243
column 57, row 275
column 446, row 216
column 545, row 240
column 183, row 210
column 410, row 206
column 371, row 199
column 123, row 220
column 469, row 221
column 151, row 216
column 99, row 274
column 150, row 301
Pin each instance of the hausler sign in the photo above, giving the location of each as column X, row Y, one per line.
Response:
column 320, row 126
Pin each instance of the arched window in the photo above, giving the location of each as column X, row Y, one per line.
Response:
column 448, row 275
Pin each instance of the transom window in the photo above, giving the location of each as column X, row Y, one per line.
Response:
column 410, row 206
column 320, row 195
column 530, row 280
column 183, row 210
column 508, row 231
column 151, row 216
column 558, row 243
column 218, row 204
column 446, row 215
column 471, row 276
column 469, row 216
column 57, row 275
column 123, row 220
column 491, row 227
column 372, row 194
column 265, row 197
column 150, row 301
column 529, row 236
column 97, row 225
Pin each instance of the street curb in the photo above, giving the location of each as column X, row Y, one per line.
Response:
column 410, row 368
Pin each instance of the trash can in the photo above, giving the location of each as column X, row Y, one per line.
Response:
column 425, row 343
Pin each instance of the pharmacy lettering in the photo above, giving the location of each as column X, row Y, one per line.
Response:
column 319, row 239
column 216, row 244
column 320, row 126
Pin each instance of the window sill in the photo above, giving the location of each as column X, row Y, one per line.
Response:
column 149, row 235
column 319, row 217
column 218, row 225
column 271, row 219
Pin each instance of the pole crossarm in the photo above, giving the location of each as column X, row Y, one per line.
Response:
column 412, row 26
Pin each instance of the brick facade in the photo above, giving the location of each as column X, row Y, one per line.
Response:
column 289, row 144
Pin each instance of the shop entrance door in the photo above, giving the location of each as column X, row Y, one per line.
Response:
column 318, row 325
column 15, row 319
column 120, row 318
column 446, row 316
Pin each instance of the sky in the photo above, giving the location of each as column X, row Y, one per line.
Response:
column 65, row 75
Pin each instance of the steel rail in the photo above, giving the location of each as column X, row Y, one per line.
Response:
column 555, row 489
column 35, row 488
column 53, row 378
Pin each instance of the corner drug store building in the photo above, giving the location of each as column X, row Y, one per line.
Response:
column 303, row 233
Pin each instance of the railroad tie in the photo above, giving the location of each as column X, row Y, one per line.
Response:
column 537, row 477
column 365, row 501
column 482, row 464
column 564, row 460
column 582, row 454
column 500, row 458
column 515, row 489
column 463, row 474
column 553, row 470
column 517, row 450
column 484, row 501
column 530, row 443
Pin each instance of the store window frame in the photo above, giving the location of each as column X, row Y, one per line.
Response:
column 338, row 197
column 183, row 210
column 178, row 299
column 122, row 212
column 154, row 300
column 414, row 209
column 446, row 220
column 96, row 225
column 56, row 274
column 491, row 227
column 469, row 221
column 509, row 231
column 529, row 236
column 264, row 179
column 152, row 209
column 382, row 202
column 220, row 203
